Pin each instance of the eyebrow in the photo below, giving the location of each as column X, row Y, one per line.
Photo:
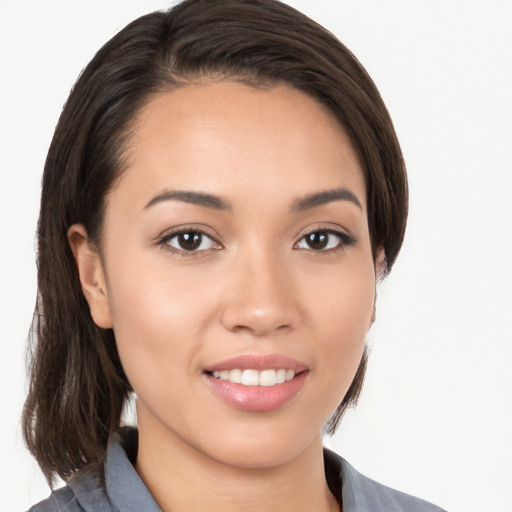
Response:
column 327, row 196
column 185, row 196
column 216, row 203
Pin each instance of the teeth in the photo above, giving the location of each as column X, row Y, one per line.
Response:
column 251, row 378
column 235, row 376
column 268, row 378
column 281, row 376
column 254, row 377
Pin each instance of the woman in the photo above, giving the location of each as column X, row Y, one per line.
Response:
column 222, row 193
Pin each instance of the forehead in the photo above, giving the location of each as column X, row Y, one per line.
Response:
column 223, row 137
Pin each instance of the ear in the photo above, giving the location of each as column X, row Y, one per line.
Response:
column 380, row 263
column 380, row 271
column 92, row 277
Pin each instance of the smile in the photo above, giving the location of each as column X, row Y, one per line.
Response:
column 257, row 383
column 251, row 377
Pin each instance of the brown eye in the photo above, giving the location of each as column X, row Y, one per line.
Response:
column 317, row 240
column 324, row 240
column 191, row 241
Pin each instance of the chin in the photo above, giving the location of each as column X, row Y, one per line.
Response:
column 262, row 449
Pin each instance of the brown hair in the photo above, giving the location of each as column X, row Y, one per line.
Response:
column 77, row 384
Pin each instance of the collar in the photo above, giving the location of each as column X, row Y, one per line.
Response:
column 124, row 491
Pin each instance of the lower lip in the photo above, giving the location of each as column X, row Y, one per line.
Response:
column 257, row 398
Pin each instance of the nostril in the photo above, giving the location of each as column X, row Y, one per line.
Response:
column 259, row 307
column 261, row 329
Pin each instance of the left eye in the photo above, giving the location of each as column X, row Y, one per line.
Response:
column 191, row 241
column 320, row 241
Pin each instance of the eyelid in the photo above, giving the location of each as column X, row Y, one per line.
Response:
column 168, row 234
column 346, row 239
column 324, row 226
column 184, row 228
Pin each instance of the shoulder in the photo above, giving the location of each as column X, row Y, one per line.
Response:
column 362, row 494
column 61, row 500
column 359, row 488
column 120, row 489
column 83, row 493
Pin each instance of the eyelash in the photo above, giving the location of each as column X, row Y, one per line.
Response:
column 344, row 240
column 163, row 242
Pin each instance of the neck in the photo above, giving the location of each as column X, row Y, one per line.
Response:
column 181, row 478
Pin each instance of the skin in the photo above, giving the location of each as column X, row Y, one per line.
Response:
column 254, row 287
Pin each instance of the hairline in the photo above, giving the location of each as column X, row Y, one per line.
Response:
column 171, row 82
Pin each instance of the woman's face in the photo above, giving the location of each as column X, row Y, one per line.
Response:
column 236, row 255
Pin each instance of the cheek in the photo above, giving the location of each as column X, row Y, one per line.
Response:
column 343, row 314
column 160, row 313
column 153, row 316
column 145, row 295
column 342, row 302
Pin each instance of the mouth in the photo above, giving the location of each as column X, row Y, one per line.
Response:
column 257, row 383
column 251, row 377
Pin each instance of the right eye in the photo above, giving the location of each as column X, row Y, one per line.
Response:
column 190, row 242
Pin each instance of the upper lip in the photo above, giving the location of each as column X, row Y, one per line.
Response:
column 258, row 362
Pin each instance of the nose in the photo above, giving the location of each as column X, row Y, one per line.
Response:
column 261, row 298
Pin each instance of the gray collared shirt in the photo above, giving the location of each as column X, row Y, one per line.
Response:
column 125, row 492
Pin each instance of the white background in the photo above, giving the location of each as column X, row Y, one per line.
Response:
column 435, row 418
